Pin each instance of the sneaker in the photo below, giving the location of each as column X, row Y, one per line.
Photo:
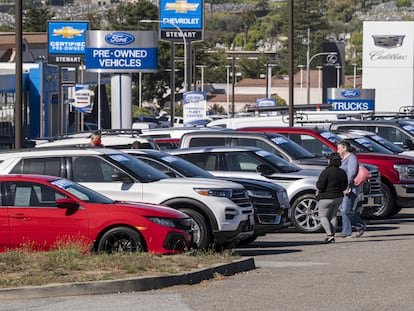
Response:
column 360, row 232
column 329, row 239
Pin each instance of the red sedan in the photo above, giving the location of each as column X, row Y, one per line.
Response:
column 41, row 211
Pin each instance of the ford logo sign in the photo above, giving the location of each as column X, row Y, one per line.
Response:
column 350, row 93
column 119, row 38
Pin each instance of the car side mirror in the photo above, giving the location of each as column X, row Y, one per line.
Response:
column 409, row 144
column 124, row 178
column 264, row 169
column 67, row 203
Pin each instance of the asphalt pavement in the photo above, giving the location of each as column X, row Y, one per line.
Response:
column 293, row 271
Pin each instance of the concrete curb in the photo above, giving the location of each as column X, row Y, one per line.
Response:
column 126, row 285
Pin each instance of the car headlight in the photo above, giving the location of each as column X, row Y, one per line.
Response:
column 263, row 194
column 283, row 198
column 405, row 172
column 223, row 193
column 166, row 222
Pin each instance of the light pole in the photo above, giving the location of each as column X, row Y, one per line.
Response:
column 301, row 81
column 338, row 70
column 202, row 76
column 320, row 81
column 308, row 61
column 184, row 42
column 355, row 65
column 269, row 79
column 227, row 88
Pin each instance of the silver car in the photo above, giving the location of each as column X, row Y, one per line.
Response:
column 252, row 162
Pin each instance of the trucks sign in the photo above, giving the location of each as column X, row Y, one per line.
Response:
column 121, row 51
column 351, row 100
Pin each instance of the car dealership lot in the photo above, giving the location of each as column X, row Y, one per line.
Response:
column 294, row 272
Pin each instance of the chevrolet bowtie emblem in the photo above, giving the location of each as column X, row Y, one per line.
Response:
column 68, row 32
column 181, row 6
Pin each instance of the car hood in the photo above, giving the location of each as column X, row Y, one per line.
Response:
column 199, row 182
column 148, row 209
column 395, row 159
column 316, row 163
column 305, row 173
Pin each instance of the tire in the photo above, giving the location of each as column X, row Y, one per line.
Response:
column 388, row 206
column 201, row 229
column 305, row 217
column 121, row 240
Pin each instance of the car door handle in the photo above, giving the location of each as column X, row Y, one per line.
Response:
column 19, row 216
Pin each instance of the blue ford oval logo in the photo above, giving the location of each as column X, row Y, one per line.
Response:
column 119, row 38
column 350, row 93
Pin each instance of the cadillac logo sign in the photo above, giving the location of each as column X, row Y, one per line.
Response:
column 388, row 41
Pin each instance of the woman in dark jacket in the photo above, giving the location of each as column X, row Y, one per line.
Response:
column 330, row 186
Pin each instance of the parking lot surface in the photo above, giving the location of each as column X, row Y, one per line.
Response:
column 294, row 272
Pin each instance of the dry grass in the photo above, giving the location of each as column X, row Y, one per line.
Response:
column 70, row 263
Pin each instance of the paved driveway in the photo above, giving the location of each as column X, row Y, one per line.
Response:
column 294, row 272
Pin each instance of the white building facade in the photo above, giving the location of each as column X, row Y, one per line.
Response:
column 388, row 63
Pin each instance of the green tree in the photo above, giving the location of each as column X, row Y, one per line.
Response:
column 246, row 19
column 403, row 3
column 307, row 14
column 36, row 19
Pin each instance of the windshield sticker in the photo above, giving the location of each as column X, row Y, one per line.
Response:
column 263, row 153
column 62, row 183
column 363, row 142
column 119, row 157
column 169, row 159
column 279, row 140
column 409, row 128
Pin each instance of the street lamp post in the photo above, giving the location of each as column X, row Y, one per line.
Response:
column 184, row 42
column 228, row 89
column 202, row 77
column 320, row 81
column 308, row 61
column 338, row 70
column 301, row 81
column 354, row 74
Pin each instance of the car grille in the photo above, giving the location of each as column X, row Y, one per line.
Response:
column 373, row 186
column 240, row 197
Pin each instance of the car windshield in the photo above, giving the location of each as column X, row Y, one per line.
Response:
column 295, row 150
column 186, row 168
column 82, row 193
column 331, row 136
column 141, row 170
column 386, row 143
column 408, row 126
column 364, row 144
column 280, row 164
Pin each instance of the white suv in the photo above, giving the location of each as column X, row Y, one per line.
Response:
column 221, row 210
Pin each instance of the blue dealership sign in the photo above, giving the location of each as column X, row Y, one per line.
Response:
column 66, row 41
column 121, row 51
column 351, row 100
column 181, row 18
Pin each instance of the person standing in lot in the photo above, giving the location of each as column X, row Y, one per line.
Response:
column 331, row 184
column 349, row 215
column 96, row 139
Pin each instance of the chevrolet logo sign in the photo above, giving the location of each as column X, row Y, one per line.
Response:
column 68, row 32
column 181, row 6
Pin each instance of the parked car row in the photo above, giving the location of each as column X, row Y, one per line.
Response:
column 234, row 185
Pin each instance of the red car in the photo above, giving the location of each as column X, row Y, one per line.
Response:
column 42, row 210
column 397, row 178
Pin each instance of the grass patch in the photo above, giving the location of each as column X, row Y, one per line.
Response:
column 70, row 263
